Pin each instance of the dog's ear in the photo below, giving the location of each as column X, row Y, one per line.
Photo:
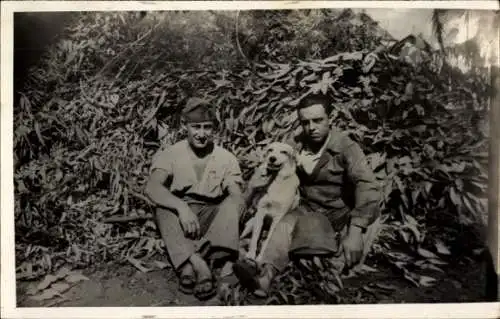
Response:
column 259, row 177
column 291, row 167
column 293, row 155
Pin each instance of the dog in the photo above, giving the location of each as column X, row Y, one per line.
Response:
column 278, row 177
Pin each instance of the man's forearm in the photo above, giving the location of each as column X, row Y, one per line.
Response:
column 367, row 209
column 364, row 216
column 161, row 196
column 235, row 195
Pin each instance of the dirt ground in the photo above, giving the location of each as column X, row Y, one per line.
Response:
column 124, row 286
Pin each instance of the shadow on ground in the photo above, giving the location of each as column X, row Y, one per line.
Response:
column 124, row 286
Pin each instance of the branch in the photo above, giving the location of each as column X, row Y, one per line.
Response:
column 438, row 27
column 126, row 219
column 238, row 37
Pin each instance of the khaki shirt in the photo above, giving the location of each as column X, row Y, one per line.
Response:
column 221, row 171
column 341, row 185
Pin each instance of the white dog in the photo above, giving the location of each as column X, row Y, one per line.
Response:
column 277, row 174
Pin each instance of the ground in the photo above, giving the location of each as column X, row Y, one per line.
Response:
column 125, row 286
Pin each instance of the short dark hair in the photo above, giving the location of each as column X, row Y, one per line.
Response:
column 316, row 98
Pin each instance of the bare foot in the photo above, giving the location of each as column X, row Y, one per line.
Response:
column 205, row 286
column 200, row 266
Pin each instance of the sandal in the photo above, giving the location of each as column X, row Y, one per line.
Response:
column 187, row 282
column 203, row 294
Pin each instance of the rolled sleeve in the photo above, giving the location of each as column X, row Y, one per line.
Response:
column 163, row 160
column 367, row 193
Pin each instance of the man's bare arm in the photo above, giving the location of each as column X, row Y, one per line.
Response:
column 160, row 195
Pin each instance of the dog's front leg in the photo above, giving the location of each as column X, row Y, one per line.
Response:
column 257, row 228
column 248, row 228
column 274, row 223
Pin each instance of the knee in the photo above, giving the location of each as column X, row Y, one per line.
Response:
column 162, row 213
column 315, row 222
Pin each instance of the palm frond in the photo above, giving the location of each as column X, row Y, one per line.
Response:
column 438, row 26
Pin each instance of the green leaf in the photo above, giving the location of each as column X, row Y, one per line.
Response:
column 428, row 187
column 420, row 109
column 285, row 68
column 411, row 277
column 366, row 268
column 405, row 236
column 437, row 261
column 386, row 287
column 441, row 248
column 427, row 254
column 455, row 198
column 431, row 267
column 468, row 205
column 426, row 281
column 317, row 262
column 39, row 133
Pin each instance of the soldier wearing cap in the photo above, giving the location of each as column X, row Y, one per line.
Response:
column 197, row 187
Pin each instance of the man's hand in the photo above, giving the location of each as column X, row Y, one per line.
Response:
column 353, row 246
column 189, row 222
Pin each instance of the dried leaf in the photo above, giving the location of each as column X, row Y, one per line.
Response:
column 32, row 290
column 47, row 281
column 60, row 287
column 138, row 264
column 63, row 272
column 46, row 294
column 75, row 277
column 220, row 83
column 114, row 98
column 160, row 264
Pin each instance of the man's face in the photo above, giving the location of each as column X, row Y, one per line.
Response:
column 314, row 121
column 200, row 135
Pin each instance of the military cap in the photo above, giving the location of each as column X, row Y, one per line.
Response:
column 198, row 110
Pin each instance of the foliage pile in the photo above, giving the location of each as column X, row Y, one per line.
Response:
column 93, row 115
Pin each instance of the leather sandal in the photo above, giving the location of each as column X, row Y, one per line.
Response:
column 203, row 294
column 187, row 281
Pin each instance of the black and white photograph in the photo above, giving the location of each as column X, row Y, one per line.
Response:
column 253, row 157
